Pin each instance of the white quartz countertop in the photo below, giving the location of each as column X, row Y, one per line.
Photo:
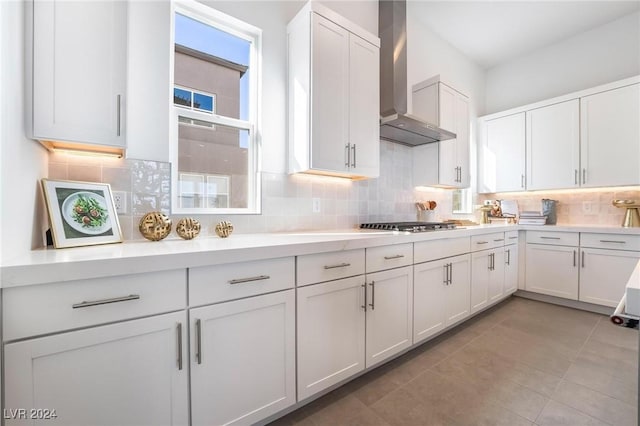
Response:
column 51, row 265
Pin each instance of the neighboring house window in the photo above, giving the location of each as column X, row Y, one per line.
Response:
column 215, row 95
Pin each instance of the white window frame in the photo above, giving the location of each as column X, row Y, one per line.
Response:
column 253, row 35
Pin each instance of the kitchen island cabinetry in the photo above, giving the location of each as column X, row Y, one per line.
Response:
column 609, row 134
column 448, row 161
column 333, row 95
column 77, row 93
column 130, row 373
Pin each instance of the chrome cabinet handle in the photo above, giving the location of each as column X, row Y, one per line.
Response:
column 364, row 286
column 446, row 274
column 613, row 241
column 397, row 256
column 582, row 259
column 373, row 295
column 347, row 148
column 341, row 265
column 198, row 341
column 179, row 335
column 509, row 257
column 522, row 181
column 498, row 240
column 574, row 258
column 493, row 261
column 575, row 176
column 353, row 147
column 584, row 176
column 482, row 242
column 246, row 280
column 513, row 238
column 450, row 273
column 119, row 111
column 549, row 238
column 105, row 301
column 490, row 254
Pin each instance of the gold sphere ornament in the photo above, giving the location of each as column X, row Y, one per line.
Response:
column 188, row 228
column 155, row 226
column 224, row 229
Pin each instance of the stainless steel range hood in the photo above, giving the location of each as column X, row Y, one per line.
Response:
column 396, row 125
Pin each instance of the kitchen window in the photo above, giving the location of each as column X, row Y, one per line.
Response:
column 216, row 78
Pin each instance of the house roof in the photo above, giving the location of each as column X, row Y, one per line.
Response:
column 211, row 58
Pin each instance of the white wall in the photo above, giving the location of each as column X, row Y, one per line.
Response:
column 23, row 162
column 272, row 17
column 604, row 54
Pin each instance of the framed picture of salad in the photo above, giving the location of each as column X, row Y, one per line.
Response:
column 81, row 213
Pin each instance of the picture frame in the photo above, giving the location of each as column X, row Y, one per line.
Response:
column 81, row 213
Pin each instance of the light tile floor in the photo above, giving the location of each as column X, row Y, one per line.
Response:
column 521, row 363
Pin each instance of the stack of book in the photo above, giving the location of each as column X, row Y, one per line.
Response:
column 532, row 218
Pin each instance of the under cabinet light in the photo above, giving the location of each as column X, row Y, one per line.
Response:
column 84, row 153
column 83, row 149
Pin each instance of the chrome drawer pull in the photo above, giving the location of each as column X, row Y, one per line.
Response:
column 246, row 280
column 341, row 265
column 482, row 242
column 364, row 286
column 497, row 241
column 397, row 256
column 373, row 295
column 613, row 241
column 513, row 238
column 106, row 301
column 119, row 114
column 549, row 238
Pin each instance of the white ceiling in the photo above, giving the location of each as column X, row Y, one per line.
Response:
column 494, row 32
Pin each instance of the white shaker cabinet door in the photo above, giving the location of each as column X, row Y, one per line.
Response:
column 610, row 135
column 604, row 275
column 243, row 359
column 510, row 268
column 331, row 333
column 458, row 302
column 480, row 276
column 553, row 146
column 502, row 154
column 430, row 281
column 552, row 270
column 496, row 276
column 329, row 95
column 130, row 373
column 79, row 71
column 389, row 313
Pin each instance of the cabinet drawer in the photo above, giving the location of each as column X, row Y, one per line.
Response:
column 387, row 257
column 426, row 251
column 211, row 284
column 511, row 237
column 316, row 268
column 487, row 241
column 610, row 241
column 48, row 308
column 554, row 238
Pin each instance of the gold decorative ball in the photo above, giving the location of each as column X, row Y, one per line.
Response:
column 224, row 229
column 188, row 228
column 155, row 226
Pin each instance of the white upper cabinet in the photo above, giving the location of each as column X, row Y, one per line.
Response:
column 440, row 104
column 502, row 154
column 553, row 146
column 610, row 138
column 333, row 95
column 78, row 90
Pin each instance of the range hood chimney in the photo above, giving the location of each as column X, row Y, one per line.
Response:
column 395, row 124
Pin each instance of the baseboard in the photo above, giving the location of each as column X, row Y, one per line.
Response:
column 584, row 306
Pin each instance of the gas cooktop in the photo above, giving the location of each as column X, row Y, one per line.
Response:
column 408, row 226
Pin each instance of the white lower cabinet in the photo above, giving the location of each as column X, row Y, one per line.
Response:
column 129, row 373
column 604, row 274
column 389, row 313
column 487, row 278
column 552, row 270
column 347, row 325
column 511, row 269
column 331, row 333
column 243, row 359
column 441, row 295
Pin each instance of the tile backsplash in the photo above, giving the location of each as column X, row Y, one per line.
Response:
column 287, row 200
column 578, row 207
